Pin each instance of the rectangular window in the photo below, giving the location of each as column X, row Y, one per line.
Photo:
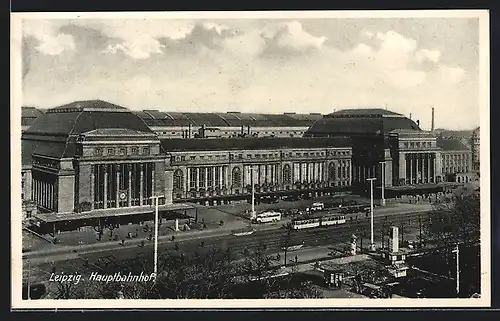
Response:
column 145, row 150
column 135, row 151
column 98, row 152
column 192, row 157
column 123, row 151
column 183, row 158
column 111, row 151
column 192, row 178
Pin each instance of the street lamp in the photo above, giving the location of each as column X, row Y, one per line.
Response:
column 156, row 237
column 372, row 243
column 458, row 270
column 382, row 202
column 252, row 215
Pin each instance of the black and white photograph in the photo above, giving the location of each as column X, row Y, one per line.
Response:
column 250, row 159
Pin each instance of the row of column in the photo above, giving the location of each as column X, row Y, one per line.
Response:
column 106, row 190
column 309, row 172
column 363, row 172
column 420, row 167
column 44, row 194
column 207, row 177
column 262, row 174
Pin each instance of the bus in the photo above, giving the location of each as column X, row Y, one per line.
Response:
column 317, row 207
column 268, row 217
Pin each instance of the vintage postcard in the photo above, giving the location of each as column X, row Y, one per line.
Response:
column 312, row 159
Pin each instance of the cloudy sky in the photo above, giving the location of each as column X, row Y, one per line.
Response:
column 262, row 66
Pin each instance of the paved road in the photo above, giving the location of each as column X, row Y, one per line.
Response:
column 56, row 253
column 272, row 239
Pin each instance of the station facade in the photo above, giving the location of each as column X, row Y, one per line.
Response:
column 94, row 157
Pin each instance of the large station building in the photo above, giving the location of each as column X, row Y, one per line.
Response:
column 92, row 159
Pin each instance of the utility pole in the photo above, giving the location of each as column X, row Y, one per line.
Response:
column 156, row 238
column 458, row 270
column 29, row 280
column 372, row 243
column 382, row 202
column 252, row 217
column 420, row 230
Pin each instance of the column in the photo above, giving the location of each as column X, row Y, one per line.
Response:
column 197, row 171
column 92, row 183
column 349, row 163
column 419, row 168
column 402, row 167
column 188, row 179
column 205, row 180
column 429, row 159
column 214, row 178
column 118, row 166
column 105, row 186
column 141, row 184
column 411, row 168
column 220, row 176
column 129, row 166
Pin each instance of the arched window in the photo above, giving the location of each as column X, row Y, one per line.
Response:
column 178, row 179
column 287, row 174
column 236, row 177
column 332, row 172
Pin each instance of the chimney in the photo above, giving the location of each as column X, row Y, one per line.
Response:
column 189, row 131
column 432, row 121
column 410, row 115
column 418, row 122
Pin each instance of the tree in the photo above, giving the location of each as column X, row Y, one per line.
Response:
column 456, row 219
column 258, row 269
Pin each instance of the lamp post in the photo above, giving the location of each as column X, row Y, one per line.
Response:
column 458, row 270
column 372, row 243
column 252, row 215
column 382, row 178
column 155, row 198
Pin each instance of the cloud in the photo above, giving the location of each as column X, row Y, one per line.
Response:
column 259, row 66
column 290, row 37
column 426, row 54
column 141, row 48
column 451, row 74
column 50, row 40
column 367, row 34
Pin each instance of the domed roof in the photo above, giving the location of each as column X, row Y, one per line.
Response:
column 54, row 133
column 83, row 116
column 370, row 121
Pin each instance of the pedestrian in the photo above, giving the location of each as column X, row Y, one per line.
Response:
column 296, row 258
column 278, row 257
column 150, row 237
column 173, row 238
column 123, row 242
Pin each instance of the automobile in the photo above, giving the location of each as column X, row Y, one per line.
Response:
column 269, row 199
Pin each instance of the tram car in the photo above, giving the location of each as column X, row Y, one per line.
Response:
column 312, row 222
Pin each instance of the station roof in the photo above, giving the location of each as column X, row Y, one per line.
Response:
column 369, row 121
column 200, row 144
column 452, row 145
column 229, row 119
column 54, row 132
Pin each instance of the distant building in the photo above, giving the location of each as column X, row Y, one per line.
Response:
column 456, row 159
column 475, row 144
column 410, row 154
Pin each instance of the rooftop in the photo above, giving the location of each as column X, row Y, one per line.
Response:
column 364, row 112
column 452, row 145
column 371, row 121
